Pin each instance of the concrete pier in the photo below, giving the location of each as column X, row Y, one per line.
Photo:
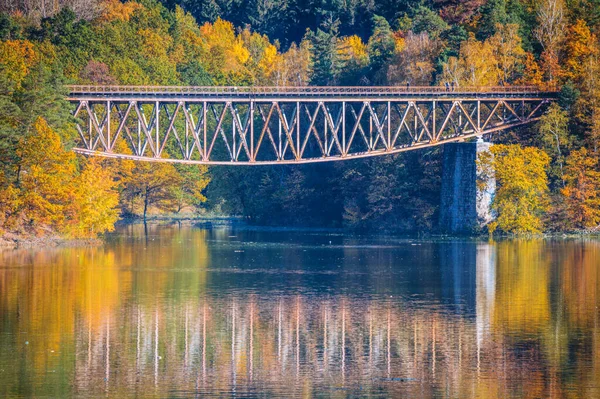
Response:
column 464, row 208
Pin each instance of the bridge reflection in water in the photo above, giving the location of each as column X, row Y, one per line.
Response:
column 277, row 125
column 180, row 313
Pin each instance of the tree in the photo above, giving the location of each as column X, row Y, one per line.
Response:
column 192, row 184
column 554, row 137
column 381, row 47
column 426, row 21
column 475, row 66
column 353, row 60
column 582, row 190
column 550, row 34
column 415, row 63
column 294, row 66
column 580, row 46
column 522, row 187
column 509, row 54
column 96, row 72
column 45, row 173
column 95, row 200
column 154, row 184
column 324, row 55
column 532, row 74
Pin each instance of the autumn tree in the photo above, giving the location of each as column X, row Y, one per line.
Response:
column 550, row 33
column 294, row 66
column 508, row 51
column 522, row 187
column 582, row 190
column 155, row 184
column 46, row 171
column 580, row 47
column 352, row 60
column 497, row 60
column 475, row 66
column 95, row 201
column 96, row 72
column 554, row 137
column 192, row 183
column 415, row 62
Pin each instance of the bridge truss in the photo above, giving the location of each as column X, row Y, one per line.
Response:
column 269, row 125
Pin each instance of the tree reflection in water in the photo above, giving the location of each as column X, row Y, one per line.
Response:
column 179, row 313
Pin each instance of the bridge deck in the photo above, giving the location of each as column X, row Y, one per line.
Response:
column 306, row 93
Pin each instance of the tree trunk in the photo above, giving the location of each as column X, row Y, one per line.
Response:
column 145, row 205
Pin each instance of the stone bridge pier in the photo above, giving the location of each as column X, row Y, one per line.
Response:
column 465, row 208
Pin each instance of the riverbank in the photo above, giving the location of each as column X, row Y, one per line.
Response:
column 11, row 240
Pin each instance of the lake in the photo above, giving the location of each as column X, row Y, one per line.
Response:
column 181, row 311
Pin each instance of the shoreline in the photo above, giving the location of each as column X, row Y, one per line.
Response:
column 240, row 223
column 14, row 241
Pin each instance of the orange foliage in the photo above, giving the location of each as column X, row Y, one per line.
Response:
column 115, row 10
column 580, row 44
column 582, row 193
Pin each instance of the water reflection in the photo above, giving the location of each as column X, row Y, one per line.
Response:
column 188, row 312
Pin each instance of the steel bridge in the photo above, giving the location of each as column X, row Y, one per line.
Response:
column 289, row 125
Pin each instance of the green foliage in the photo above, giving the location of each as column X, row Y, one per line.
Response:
column 426, row 20
column 568, row 95
column 381, row 46
column 324, row 57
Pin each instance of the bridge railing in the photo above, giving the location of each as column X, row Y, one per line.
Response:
column 304, row 90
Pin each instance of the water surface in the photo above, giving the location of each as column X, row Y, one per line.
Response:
column 180, row 311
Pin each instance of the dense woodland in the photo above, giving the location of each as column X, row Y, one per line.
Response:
column 548, row 175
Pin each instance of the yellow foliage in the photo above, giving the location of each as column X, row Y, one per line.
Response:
column 225, row 53
column 399, row 42
column 115, row 10
column 476, row 65
column 292, row 67
column 16, row 58
column 353, row 48
column 95, row 201
column 521, row 194
column 154, row 45
column 45, row 173
column 489, row 63
column 506, row 46
column 270, row 59
column 49, row 196
column 241, row 54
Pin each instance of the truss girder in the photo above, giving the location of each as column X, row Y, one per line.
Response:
column 272, row 132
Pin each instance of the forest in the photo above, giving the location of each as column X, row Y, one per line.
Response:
column 548, row 175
